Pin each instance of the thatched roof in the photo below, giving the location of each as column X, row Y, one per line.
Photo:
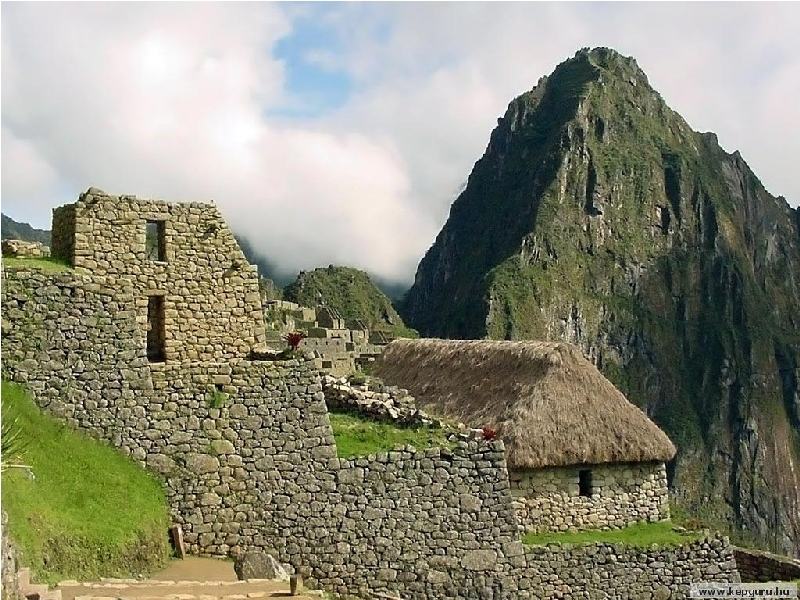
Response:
column 550, row 405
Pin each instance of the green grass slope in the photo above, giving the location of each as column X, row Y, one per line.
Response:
column 87, row 511
column 48, row 265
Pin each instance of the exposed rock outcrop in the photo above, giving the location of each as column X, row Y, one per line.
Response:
column 599, row 217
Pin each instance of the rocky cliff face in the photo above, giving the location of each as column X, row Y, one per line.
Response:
column 597, row 216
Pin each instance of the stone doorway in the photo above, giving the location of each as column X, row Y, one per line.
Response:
column 156, row 330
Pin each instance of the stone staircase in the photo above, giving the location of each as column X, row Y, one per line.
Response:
column 34, row 591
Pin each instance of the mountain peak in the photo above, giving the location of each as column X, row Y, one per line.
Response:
column 597, row 216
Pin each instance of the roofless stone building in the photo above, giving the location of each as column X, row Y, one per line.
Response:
column 196, row 294
column 580, row 456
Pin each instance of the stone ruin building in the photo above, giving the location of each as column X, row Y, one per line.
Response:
column 153, row 342
column 343, row 346
column 580, row 456
column 196, row 294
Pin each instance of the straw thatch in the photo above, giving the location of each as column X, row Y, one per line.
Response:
column 550, row 405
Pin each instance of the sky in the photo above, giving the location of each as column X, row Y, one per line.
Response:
column 341, row 133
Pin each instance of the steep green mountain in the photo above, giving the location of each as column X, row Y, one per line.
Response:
column 14, row 230
column 352, row 293
column 597, row 216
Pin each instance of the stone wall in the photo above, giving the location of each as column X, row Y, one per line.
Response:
column 759, row 566
column 549, row 499
column 212, row 302
column 62, row 234
column 248, row 460
column 374, row 400
column 23, row 249
column 616, row 572
column 9, row 584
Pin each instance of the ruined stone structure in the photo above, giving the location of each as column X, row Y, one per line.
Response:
column 195, row 293
column 245, row 448
column 23, row 249
column 342, row 347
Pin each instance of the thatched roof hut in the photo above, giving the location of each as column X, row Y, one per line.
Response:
column 550, row 405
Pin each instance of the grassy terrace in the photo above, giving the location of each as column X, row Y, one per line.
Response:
column 359, row 437
column 640, row 535
column 48, row 265
column 87, row 510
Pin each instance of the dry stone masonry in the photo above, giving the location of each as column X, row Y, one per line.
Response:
column 20, row 248
column 376, row 401
column 618, row 495
column 183, row 253
column 245, row 448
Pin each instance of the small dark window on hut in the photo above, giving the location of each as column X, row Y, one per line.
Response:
column 155, row 241
column 156, row 331
column 585, row 482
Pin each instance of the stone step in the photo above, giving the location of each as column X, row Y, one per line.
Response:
column 35, row 591
column 24, row 577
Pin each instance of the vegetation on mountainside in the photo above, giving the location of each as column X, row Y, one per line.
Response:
column 352, row 293
column 597, row 216
column 85, row 510
column 356, row 436
column 48, row 265
column 638, row 535
column 15, row 230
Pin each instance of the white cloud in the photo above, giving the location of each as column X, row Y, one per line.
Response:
column 171, row 100
column 168, row 101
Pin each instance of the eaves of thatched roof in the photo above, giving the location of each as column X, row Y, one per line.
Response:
column 550, row 405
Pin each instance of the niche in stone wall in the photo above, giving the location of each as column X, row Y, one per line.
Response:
column 156, row 329
column 155, row 241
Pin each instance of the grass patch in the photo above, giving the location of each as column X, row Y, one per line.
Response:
column 356, row 436
column 638, row 535
column 48, row 265
column 88, row 511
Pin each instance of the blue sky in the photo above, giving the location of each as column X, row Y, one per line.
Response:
column 342, row 132
column 314, row 89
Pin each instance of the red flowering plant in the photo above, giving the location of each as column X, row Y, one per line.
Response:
column 293, row 339
column 489, row 433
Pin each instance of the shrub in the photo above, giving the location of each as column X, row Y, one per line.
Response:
column 293, row 339
column 489, row 433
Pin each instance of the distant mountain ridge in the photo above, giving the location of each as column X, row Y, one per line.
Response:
column 15, row 230
column 352, row 293
column 597, row 216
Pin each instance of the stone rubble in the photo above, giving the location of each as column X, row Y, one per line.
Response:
column 20, row 248
column 374, row 400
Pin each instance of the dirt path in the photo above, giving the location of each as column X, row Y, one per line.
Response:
column 191, row 579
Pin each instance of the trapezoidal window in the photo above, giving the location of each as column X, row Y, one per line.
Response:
column 155, row 244
column 156, row 331
column 585, row 482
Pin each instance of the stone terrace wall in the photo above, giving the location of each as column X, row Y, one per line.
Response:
column 614, row 572
column 431, row 524
column 211, row 294
column 549, row 500
column 254, row 465
column 757, row 565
